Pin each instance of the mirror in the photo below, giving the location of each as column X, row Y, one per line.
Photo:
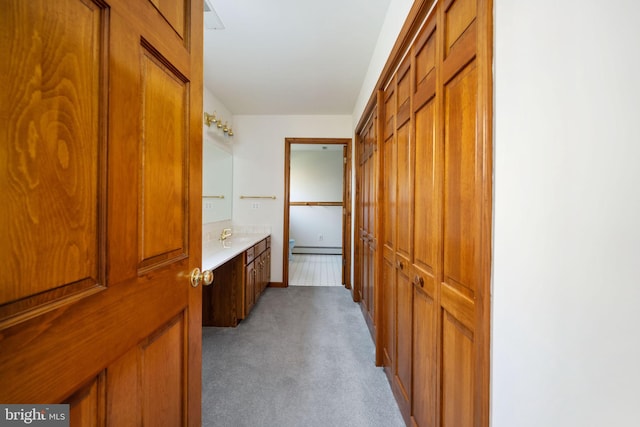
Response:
column 217, row 183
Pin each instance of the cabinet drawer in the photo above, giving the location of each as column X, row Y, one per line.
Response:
column 250, row 254
column 260, row 247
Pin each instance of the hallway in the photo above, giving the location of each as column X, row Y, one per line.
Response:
column 304, row 357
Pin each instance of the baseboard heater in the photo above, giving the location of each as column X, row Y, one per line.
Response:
column 317, row 250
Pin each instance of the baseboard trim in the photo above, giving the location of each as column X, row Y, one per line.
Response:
column 276, row 285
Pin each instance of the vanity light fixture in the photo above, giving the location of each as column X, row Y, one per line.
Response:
column 212, row 119
column 209, row 118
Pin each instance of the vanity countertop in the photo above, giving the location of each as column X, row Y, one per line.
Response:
column 216, row 252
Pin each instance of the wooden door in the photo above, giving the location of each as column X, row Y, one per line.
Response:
column 463, row 286
column 249, row 288
column 388, row 291
column 367, row 204
column 346, row 217
column 100, row 163
column 426, row 225
column 404, row 236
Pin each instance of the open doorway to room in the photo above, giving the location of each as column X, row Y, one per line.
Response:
column 317, row 212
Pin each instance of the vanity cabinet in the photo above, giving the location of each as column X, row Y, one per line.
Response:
column 237, row 285
column 257, row 267
column 219, row 306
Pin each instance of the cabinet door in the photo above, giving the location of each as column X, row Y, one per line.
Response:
column 267, row 275
column 259, row 284
column 249, row 287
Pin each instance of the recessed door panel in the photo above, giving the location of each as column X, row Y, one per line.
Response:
column 461, row 212
column 404, row 205
column 51, row 152
column 164, row 147
column 425, row 194
column 162, row 366
column 174, row 11
column 458, row 16
column 457, row 373
column 424, row 360
column 404, row 332
column 388, row 298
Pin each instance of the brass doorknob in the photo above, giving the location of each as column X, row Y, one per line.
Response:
column 205, row 277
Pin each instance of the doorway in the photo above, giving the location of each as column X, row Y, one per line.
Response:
column 319, row 207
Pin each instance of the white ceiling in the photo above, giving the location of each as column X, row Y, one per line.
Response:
column 291, row 56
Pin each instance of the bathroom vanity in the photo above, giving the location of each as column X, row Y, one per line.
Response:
column 242, row 270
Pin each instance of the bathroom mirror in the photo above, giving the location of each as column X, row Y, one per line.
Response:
column 217, row 183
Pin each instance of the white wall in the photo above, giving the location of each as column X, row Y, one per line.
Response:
column 258, row 168
column 566, row 279
column 316, row 176
column 396, row 15
column 316, row 226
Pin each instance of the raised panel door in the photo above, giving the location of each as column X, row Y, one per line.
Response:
column 403, row 336
column 424, row 376
column 249, row 288
column 98, row 243
column 464, row 245
column 426, row 231
column 388, row 306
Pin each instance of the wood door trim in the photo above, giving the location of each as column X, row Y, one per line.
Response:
column 287, row 203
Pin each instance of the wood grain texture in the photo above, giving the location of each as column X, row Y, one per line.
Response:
column 426, row 203
column 174, row 11
column 87, row 351
column 423, row 396
column 219, row 300
column 50, row 147
column 403, row 336
column 457, row 374
column 404, row 195
column 461, row 214
column 459, row 14
column 163, row 217
column 388, row 316
column 162, row 362
column 86, row 407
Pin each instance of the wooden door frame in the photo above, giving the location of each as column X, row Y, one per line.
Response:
column 346, row 235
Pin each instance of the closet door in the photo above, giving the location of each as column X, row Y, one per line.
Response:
column 367, row 227
column 388, row 279
column 426, row 234
column 367, row 206
column 466, row 201
column 404, row 242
